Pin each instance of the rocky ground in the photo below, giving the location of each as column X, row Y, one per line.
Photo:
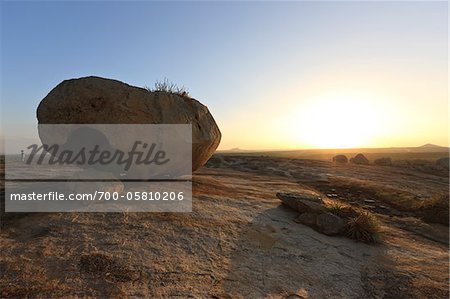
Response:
column 239, row 241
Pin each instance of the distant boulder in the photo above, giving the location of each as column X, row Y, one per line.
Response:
column 386, row 161
column 443, row 162
column 359, row 159
column 340, row 159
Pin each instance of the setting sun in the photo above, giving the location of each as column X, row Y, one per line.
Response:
column 339, row 120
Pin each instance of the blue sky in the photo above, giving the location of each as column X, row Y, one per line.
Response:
column 251, row 63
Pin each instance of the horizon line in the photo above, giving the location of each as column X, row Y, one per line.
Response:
column 428, row 145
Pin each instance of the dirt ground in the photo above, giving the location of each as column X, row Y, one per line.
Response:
column 239, row 241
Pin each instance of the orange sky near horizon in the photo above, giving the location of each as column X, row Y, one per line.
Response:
column 352, row 112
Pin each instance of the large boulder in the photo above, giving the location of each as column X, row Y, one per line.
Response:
column 108, row 184
column 95, row 100
column 359, row 159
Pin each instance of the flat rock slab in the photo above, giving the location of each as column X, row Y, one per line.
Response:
column 304, row 201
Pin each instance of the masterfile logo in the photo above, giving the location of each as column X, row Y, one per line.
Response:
column 102, row 167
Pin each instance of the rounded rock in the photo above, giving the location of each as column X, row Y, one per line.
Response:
column 95, row 100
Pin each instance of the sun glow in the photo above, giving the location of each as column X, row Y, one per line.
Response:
column 341, row 120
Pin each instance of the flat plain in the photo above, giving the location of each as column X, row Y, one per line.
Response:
column 240, row 241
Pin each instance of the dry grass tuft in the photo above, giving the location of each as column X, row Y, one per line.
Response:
column 169, row 87
column 364, row 228
column 335, row 208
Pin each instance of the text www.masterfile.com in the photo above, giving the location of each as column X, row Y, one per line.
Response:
column 99, row 196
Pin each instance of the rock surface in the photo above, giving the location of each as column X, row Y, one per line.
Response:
column 95, row 100
column 340, row 159
column 359, row 159
column 386, row 161
column 238, row 242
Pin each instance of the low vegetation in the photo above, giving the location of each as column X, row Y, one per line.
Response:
column 336, row 208
column 361, row 225
column 402, row 200
column 169, row 87
column 364, row 228
column 343, row 210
